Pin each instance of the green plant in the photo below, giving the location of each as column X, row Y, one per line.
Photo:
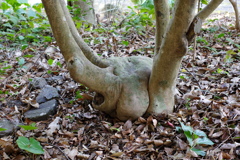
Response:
column 228, row 56
column 52, row 62
column 32, row 126
column 195, row 138
column 220, row 71
column 203, row 40
column 230, row 41
column 22, row 23
column 4, row 67
column 29, row 144
column 187, row 103
column 141, row 16
column 77, row 96
column 3, row 129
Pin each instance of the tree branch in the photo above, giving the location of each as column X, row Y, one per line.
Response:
column 203, row 14
column 162, row 19
column 80, row 68
column 87, row 51
column 168, row 60
column 196, row 24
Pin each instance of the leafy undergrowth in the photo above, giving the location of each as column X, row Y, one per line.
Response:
column 207, row 100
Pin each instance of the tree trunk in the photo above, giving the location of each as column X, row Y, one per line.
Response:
column 128, row 87
column 235, row 7
column 86, row 9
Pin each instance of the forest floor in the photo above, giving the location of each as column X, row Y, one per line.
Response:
column 208, row 100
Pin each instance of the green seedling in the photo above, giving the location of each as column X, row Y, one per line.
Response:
column 228, row 56
column 126, row 43
column 203, row 40
column 50, row 62
column 220, row 71
column 77, row 96
column 187, row 103
column 115, row 129
column 220, row 35
column 195, row 138
column 29, row 144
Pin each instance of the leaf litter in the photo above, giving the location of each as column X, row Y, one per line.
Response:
column 207, row 99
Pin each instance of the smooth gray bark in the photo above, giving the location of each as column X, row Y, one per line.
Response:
column 128, row 87
column 235, row 7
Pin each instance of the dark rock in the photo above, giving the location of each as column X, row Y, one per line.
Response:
column 38, row 82
column 4, row 123
column 47, row 93
column 43, row 112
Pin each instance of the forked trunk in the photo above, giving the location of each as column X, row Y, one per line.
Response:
column 128, row 87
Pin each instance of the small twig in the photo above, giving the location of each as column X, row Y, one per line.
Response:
column 193, row 77
column 223, row 142
column 59, row 150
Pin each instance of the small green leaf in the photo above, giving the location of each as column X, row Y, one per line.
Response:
column 24, row 46
column 200, row 133
column 29, row 127
column 31, row 13
column 204, row 140
column 115, row 129
column 13, row 19
column 50, row 61
column 8, row 67
column 20, row 37
column 126, row 43
column 231, row 52
column 4, row 6
column 31, row 145
column 178, row 129
column 47, row 38
column 186, row 128
column 221, row 35
column 3, row 129
column 204, row 2
column 188, row 134
column 38, row 7
column 28, row 56
column 21, row 61
column 181, row 77
column 7, row 25
column 59, row 64
column 199, row 151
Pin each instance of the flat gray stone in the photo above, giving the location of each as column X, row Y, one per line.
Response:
column 4, row 123
column 38, row 82
column 47, row 93
column 43, row 112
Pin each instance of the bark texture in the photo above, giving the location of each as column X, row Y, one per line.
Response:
column 128, row 87
column 235, row 7
column 167, row 61
column 213, row 4
column 162, row 13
